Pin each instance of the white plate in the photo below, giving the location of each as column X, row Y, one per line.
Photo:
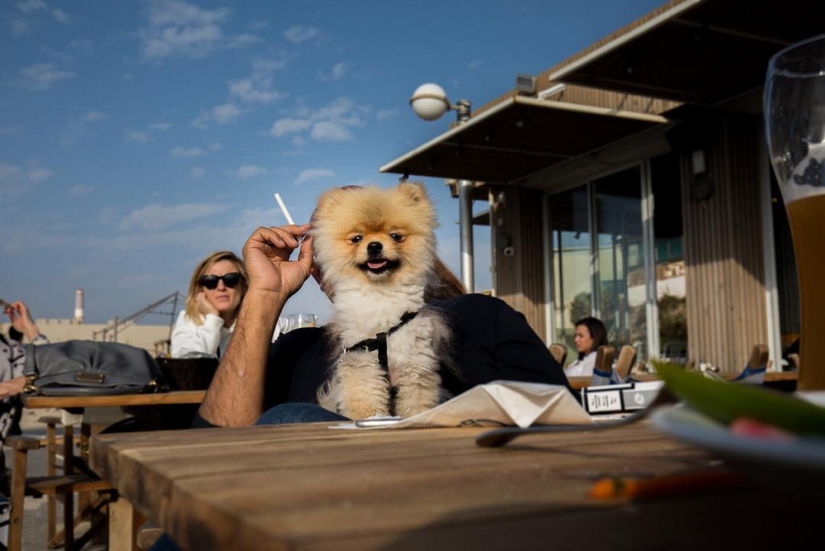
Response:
column 800, row 458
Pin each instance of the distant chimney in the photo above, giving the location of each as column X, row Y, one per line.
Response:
column 78, row 305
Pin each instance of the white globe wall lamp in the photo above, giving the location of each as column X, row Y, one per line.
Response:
column 429, row 101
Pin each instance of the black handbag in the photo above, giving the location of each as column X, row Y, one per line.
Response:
column 89, row 368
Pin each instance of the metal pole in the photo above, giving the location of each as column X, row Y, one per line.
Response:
column 465, row 212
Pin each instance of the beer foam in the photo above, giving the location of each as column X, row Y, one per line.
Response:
column 808, row 177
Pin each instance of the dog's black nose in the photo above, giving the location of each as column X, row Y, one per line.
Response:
column 374, row 248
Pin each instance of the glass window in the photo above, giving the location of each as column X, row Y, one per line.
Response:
column 670, row 261
column 571, row 262
column 620, row 254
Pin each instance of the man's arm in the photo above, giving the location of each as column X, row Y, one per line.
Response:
column 235, row 396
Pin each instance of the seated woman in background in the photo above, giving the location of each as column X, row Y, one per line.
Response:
column 216, row 291
column 590, row 335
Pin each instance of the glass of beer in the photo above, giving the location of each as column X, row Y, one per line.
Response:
column 795, row 127
column 296, row 321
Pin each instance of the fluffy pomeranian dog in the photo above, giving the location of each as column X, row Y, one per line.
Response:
column 376, row 249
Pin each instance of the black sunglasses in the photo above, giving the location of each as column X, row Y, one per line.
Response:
column 211, row 281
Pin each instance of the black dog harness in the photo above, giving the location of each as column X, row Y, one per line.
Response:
column 379, row 343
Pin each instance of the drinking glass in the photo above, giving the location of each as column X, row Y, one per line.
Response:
column 795, row 129
column 297, row 321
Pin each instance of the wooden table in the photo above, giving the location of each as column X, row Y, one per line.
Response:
column 161, row 398
column 309, row 487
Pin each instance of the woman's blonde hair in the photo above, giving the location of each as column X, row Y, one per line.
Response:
column 204, row 266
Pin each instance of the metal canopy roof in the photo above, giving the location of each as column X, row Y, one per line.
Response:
column 518, row 137
column 694, row 51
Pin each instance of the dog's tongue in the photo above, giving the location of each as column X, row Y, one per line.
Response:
column 377, row 265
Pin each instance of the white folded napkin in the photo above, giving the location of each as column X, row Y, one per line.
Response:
column 501, row 403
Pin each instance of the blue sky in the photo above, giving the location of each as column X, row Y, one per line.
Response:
column 136, row 137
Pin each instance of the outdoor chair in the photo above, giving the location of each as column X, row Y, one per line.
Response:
column 754, row 372
column 559, row 352
column 793, row 360
column 627, row 358
column 603, row 369
column 73, row 479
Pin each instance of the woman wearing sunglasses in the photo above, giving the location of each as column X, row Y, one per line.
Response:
column 216, row 291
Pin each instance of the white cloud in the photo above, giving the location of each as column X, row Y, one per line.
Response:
column 93, row 116
column 61, row 16
column 336, row 109
column 136, row 136
column 59, row 55
column 245, row 172
column 221, row 114
column 19, row 27
column 385, row 114
column 108, row 215
column 258, row 25
column 476, row 63
column 80, row 190
column 36, row 175
column 183, row 152
column 159, row 126
column 158, row 217
column 300, row 33
column 247, row 90
column 338, row 70
column 215, row 146
column 77, row 127
column 330, row 131
column 283, row 127
column 128, row 76
column 178, row 29
column 243, row 40
column 330, row 123
column 18, row 180
column 196, row 172
column 31, row 6
column 42, row 75
column 226, row 113
column 259, row 87
column 11, row 130
column 313, row 174
column 82, row 44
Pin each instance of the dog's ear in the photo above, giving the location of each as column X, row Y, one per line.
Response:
column 414, row 190
column 329, row 197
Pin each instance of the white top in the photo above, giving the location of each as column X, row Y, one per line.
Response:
column 210, row 340
column 583, row 367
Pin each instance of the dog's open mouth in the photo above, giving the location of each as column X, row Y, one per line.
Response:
column 379, row 265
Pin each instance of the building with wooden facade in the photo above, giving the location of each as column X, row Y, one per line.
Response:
column 633, row 184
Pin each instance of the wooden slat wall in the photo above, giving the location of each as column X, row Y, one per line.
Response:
column 723, row 250
column 519, row 278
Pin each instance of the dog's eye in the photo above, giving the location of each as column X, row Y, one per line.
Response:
column 356, row 239
column 397, row 237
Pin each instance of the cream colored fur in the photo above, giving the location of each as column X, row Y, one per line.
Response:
column 366, row 303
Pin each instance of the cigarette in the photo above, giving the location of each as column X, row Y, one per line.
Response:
column 283, row 209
